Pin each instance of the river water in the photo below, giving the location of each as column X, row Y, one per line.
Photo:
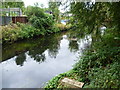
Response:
column 33, row 62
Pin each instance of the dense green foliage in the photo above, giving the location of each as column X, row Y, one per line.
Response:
column 19, row 31
column 40, row 23
column 7, row 4
column 40, row 20
column 89, row 17
column 99, row 65
column 55, row 82
column 54, row 8
column 13, row 32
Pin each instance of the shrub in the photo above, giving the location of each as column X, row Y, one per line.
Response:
column 99, row 65
column 14, row 32
column 40, row 20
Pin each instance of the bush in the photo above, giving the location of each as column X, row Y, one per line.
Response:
column 99, row 65
column 14, row 32
column 42, row 21
column 40, row 24
column 10, row 32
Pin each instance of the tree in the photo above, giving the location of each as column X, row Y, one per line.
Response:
column 54, row 7
column 6, row 4
column 88, row 17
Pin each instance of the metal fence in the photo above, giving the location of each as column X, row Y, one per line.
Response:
column 4, row 20
column 9, row 17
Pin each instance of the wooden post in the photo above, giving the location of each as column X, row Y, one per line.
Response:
column 71, row 83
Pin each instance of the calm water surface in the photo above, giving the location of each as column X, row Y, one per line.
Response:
column 33, row 62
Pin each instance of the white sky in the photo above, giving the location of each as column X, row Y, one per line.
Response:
column 31, row 2
column 44, row 2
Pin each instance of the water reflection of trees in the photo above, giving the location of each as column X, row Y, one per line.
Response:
column 73, row 46
column 73, row 38
column 54, row 46
column 36, row 48
column 20, row 59
column 37, row 54
column 53, row 51
column 50, row 43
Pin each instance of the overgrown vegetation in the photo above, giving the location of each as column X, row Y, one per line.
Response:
column 14, row 32
column 54, row 8
column 40, row 23
column 41, row 20
column 19, row 31
column 99, row 65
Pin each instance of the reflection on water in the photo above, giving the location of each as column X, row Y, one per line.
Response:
column 33, row 62
column 73, row 46
column 20, row 59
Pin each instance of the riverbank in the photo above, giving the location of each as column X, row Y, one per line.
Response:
column 42, row 55
column 15, row 32
column 98, row 67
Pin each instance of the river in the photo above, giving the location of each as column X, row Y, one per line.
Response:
column 31, row 63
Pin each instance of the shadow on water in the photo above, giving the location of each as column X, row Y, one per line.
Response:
column 73, row 46
column 20, row 59
column 35, row 47
column 33, row 62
